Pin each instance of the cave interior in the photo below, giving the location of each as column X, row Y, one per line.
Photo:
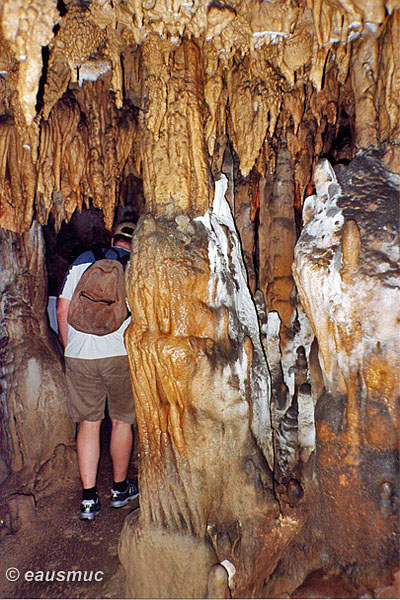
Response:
column 257, row 146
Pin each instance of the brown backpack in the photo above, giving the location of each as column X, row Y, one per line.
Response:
column 98, row 305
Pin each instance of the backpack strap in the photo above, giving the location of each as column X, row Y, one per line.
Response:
column 98, row 252
column 121, row 259
column 124, row 259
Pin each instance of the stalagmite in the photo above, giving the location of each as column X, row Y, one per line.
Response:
column 351, row 245
column 217, row 397
column 346, row 270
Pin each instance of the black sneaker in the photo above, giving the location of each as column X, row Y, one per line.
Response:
column 119, row 499
column 89, row 509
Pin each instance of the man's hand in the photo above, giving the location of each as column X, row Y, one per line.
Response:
column 62, row 313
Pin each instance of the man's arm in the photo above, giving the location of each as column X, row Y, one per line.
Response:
column 62, row 313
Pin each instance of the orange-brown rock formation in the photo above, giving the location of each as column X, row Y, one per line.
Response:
column 249, row 70
column 346, row 270
column 201, row 383
column 98, row 95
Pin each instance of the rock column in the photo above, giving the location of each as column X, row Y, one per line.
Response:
column 202, row 398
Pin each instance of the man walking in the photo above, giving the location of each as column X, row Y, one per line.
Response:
column 96, row 369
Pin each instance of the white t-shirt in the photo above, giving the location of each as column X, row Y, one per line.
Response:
column 86, row 345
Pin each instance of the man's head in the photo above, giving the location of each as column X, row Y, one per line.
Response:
column 122, row 235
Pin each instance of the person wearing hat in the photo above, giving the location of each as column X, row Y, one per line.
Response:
column 97, row 369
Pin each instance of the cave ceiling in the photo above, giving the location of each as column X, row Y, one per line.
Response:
column 94, row 91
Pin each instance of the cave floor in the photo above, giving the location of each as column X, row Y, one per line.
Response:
column 58, row 541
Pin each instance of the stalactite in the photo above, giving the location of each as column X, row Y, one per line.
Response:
column 304, row 151
column 82, row 155
column 215, row 95
column 28, row 28
column 246, row 202
column 254, row 96
column 175, row 166
column 277, row 223
column 17, row 180
column 249, row 58
column 388, row 92
column 105, row 146
column 298, row 47
column 62, row 147
column 364, row 77
column 58, row 77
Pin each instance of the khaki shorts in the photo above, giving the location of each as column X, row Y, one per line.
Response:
column 90, row 382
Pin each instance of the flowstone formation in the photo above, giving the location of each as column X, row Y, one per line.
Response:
column 201, row 385
column 347, row 272
column 233, row 474
column 33, row 397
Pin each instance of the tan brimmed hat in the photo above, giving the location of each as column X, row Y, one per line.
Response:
column 125, row 229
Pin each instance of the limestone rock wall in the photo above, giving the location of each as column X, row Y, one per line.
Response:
column 347, row 272
column 33, row 401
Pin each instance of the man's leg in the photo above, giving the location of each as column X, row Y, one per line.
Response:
column 86, row 407
column 120, row 448
column 123, row 490
column 88, row 448
column 121, row 409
